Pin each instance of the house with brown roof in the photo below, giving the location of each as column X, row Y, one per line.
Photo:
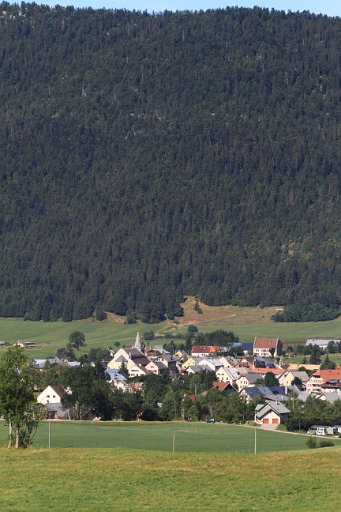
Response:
column 267, row 347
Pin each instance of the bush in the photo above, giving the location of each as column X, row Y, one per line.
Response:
column 192, row 328
column 324, row 443
column 311, row 442
column 149, row 335
column 100, row 314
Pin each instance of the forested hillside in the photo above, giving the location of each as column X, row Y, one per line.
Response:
column 144, row 157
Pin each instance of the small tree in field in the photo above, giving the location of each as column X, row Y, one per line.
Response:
column 17, row 402
column 76, row 340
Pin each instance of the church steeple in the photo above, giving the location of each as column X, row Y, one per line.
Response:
column 138, row 343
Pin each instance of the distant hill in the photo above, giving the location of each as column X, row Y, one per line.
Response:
column 144, row 157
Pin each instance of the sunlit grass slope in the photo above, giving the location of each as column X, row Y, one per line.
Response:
column 51, row 335
column 128, row 480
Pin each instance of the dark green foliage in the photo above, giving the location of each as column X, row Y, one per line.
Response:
column 145, row 157
column 315, row 356
column 270, row 379
column 66, row 353
column 76, row 340
column 17, row 402
column 149, row 335
column 324, row 443
column 306, row 313
column 313, row 412
column 219, row 338
column 192, row 329
column 91, row 395
column 100, row 314
column 327, row 364
column 311, row 442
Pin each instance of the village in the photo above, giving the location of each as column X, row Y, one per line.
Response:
column 266, row 390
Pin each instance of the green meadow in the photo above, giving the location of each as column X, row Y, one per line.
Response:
column 51, row 335
column 107, row 479
column 185, row 437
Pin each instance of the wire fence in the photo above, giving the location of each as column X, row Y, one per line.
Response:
column 171, row 437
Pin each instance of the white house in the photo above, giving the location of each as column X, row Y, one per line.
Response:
column 211, row 363
column 266, row 347
column 288, row 377
column 230, row 375
column 130, row 356
column 51, row 395
column 271, row 413
column 247, row 380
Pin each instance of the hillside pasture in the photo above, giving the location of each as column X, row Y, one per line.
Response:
column 245, row 322
column 134, row 480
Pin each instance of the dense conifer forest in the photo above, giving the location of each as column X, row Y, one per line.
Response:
column 149, row 156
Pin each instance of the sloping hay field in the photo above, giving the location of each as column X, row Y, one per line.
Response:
column 127, row 480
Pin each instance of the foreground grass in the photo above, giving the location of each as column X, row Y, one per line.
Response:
column 52, row 335
column 128, row 480
column 190, row 437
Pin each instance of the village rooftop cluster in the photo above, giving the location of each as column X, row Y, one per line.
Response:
column 242, row 375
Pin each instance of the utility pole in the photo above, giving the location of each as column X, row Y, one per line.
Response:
column 174, row 440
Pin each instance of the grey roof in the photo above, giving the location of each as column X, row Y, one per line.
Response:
column 320, row 342
column 169, row 357
column 332, row 397
column 251, row 377
column 195, row 368
column 40, row 363
column 57, row 408
column 277, row 407
column 160, row 365
column 121, row 359
column 303, row 376
column 274, row 398
column 114, row 374
column 303, row 395
column 273, row 393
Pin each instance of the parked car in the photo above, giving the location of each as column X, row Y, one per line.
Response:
column 210, row 420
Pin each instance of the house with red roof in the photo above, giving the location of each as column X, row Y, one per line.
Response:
column 223, row 387
column 324, row 379
column 204, row 350
column 267, row 347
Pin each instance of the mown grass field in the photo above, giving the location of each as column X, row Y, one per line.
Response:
column 132, row 480
column 191, row 437
column 52, row 335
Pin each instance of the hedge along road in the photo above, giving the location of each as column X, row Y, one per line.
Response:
column 190, row 437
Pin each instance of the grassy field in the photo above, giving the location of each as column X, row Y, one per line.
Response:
column 133, row 480
column 245, row 322
column 298, row 359
column 192, row 437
